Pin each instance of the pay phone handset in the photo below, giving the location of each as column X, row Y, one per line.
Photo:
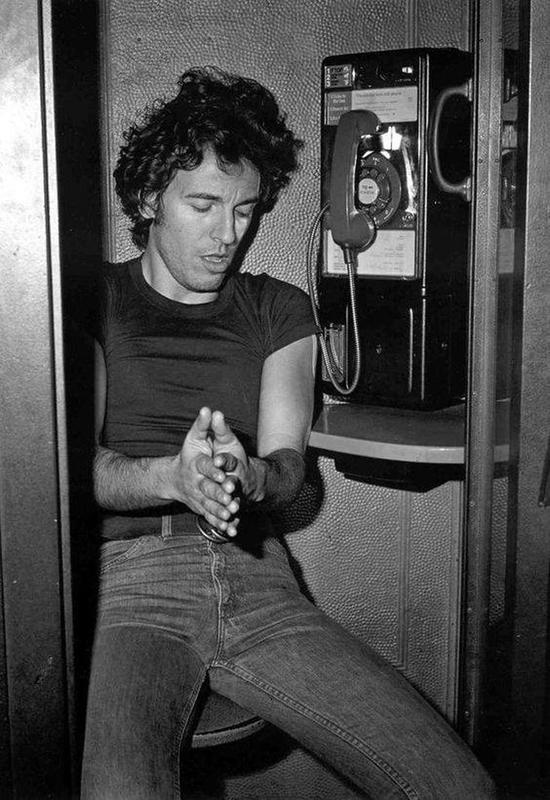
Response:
column 353, row 227
column 351, row 224
column 396, row 226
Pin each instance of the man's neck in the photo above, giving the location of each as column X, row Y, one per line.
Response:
column 163, row 283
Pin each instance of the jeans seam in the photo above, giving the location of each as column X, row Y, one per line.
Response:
column 219, row 595
column 134, row 544
column 359, row 745
column 193, row 695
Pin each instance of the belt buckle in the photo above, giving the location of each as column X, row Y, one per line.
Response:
column 210, row 532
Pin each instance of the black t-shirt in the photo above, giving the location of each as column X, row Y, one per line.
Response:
column 165, row 359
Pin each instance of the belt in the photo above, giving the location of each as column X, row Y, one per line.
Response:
column 167, row 521
column 130, row 525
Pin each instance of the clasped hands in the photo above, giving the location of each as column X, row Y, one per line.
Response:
column 213, row 471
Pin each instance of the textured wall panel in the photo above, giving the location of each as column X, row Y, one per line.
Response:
column 435, row 566
column 500, row 547
column 385, row 563
column 442, row 24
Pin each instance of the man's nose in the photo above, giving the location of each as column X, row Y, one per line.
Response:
column 225, row 230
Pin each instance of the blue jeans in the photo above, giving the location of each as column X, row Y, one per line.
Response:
column 177, row 611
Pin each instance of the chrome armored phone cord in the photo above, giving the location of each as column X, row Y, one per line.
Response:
column 335, row 374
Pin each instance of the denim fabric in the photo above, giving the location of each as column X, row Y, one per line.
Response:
column 177, row 612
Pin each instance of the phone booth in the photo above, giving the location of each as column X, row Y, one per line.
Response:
column 396, row 162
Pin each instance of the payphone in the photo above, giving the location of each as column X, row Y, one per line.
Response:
column 392, row 289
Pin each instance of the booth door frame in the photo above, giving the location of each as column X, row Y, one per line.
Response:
column 36, row 674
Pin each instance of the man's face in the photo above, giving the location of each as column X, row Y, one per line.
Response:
column 200, row 221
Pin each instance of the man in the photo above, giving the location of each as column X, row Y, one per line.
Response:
column 204, row 401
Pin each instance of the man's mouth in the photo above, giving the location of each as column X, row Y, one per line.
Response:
column 217, row 258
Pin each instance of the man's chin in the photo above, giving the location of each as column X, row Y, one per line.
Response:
column 215, row 280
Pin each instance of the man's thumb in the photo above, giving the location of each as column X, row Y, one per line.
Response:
column 221, row 429
column 201, row 426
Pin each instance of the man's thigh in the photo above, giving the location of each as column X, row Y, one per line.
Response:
column 142, row 697
column 307, row 675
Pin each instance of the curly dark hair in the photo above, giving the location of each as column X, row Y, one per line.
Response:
column 237, row 117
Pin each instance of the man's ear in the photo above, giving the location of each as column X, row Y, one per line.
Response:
column 149, row 206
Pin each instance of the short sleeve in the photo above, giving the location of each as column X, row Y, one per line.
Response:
column 288, row 315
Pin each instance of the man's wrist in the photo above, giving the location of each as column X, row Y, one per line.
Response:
column 256, row 489
column 278, row 477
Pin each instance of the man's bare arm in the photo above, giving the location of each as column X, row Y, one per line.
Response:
column 275, row 477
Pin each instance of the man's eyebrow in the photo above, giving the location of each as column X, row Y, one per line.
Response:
column 202, row 196
column 208, row 196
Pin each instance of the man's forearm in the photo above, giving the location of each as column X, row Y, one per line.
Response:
column 277, row 478
column 125, row 484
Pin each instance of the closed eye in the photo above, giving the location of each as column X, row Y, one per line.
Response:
column 245, row 211
column 202, row 209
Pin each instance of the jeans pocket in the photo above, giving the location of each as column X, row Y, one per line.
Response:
column 274, row 547
column 118, row 550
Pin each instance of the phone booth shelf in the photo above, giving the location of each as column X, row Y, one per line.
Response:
column 400, row 448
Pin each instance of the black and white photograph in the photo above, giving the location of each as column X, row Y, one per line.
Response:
column 274, row 418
